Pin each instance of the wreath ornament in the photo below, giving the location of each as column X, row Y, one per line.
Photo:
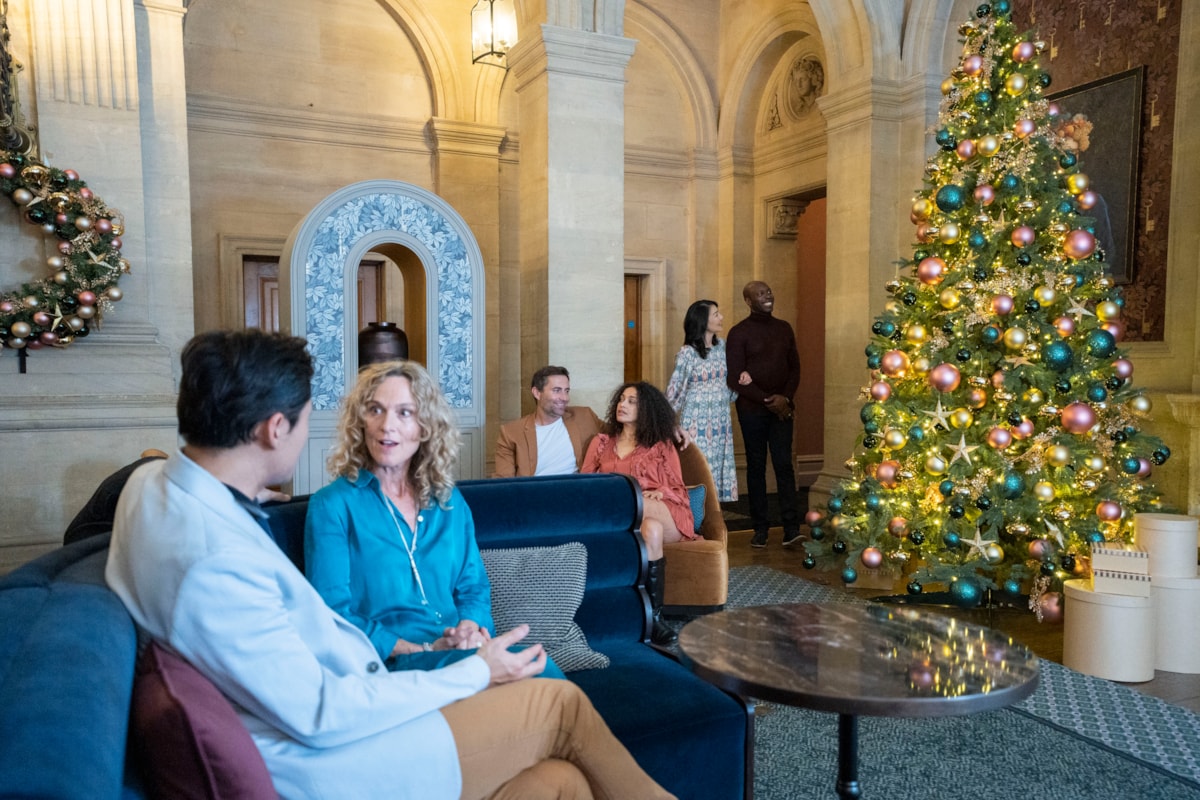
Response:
column 82, row 285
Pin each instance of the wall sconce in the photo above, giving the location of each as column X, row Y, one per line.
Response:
column 493, row 32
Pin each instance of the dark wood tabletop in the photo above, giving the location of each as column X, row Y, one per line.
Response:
column 877, row 660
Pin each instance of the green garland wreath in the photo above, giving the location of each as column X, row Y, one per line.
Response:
column 85, row 269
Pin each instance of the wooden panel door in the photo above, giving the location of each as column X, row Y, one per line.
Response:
column 633, row 327
column 260, row 290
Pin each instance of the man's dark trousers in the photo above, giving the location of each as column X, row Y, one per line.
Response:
column 760, row 433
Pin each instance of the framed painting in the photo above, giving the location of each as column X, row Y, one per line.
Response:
column 1103, row 119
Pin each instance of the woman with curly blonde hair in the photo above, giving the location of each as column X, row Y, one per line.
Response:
column 390, row 544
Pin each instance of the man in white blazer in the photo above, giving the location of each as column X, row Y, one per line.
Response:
column 191, row 560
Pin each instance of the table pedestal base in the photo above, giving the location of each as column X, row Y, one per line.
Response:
column 848, row 787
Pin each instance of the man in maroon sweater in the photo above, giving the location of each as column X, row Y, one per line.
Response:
column 765, row 348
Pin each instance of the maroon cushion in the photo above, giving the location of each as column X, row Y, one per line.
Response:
column 188, row 737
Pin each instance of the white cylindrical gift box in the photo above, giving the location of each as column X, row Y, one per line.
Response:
column 1171, row 541
column 1110, row 636
column 1177, row 624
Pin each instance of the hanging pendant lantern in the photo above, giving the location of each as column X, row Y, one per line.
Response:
column 493, row 32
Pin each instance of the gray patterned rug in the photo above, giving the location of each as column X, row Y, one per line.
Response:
column 1076, row 738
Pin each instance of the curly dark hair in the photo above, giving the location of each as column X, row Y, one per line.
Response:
column 655, row 419
column 695, row 325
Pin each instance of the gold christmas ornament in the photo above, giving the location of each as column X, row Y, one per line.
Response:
column 950, row 298
column 1044, row 491
column 960, row 418
column 1077, row 183
column 1059, row 456
column 1140, row 404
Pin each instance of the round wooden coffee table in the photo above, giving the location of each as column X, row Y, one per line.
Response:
column 849, row 659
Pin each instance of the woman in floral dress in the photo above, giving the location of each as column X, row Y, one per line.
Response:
column 700, row 396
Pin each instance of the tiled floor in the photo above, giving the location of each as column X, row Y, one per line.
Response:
column 1045, row 639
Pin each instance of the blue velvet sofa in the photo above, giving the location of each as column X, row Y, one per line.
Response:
column 67, row 651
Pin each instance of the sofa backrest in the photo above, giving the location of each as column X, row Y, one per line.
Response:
column 603, row 512
column 67, row 649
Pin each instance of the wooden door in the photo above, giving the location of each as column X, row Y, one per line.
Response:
column 260, row 290
column 633, row 327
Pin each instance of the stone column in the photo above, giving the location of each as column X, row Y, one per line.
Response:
column 866, row 198
column 571, row 86
column 467, row 176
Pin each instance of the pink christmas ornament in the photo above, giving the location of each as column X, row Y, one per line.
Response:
column 1053, row 110
column 86, row 298
column 965, row 149
column 1002, row 304
column 1023, row 52
column 64, row 247
column 894, row 362
column 1023, row 236
column 48, row 337
column 1122, row 368
column 973, row 64
column 944, row 377
column 1065, row 326
column 1040, row 548
column 1116, row 327
column 7, row 307
column 1079, row 244
column 71, row 174
column 1108, row 510
column 1143, row 468
column 1078, row 418
column 886, row 473
column 1087, row 200
column 1024, row 430
column 1052, row 607
column 985, row 194
column 7, row 171
column 103, row 225
column 1024, row 128
column 813, row 517
column 897, row 526
column 931, row 270
column 871, row 557
column 880, row 391
column 85, row 193
column 41, row 318
column 999, row 438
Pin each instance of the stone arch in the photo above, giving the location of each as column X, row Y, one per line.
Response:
column 320, row 261
column 651, row 29
column 434, row 51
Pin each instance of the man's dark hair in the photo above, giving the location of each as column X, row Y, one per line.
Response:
column 542, row 375
column 233, row 380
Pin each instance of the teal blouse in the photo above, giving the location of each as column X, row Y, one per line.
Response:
column 357, row 561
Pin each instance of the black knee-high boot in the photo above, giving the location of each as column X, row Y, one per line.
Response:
column 660, row 631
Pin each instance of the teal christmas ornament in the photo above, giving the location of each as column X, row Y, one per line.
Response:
column 956, row 511
column 990, row 334
column 950, row 198
column 914, row 587
column 976, row 240
column 1066, row 207
column 839, row 547
column 1100, row 343
column 951, row 540
column 909, row 298
column 1058, row 356
column 917, row 537
column 874, row 362
column 1161, row 455
column 849, row 575
column 1010, row 183
column 835, row 505
column 817, row 533
column 1044, row 80
column 983, row 98
column 1002, row 8
column 1013, row 485
column 1012, row 586
column 916, row 434
column 946, row 487
column 1130, row 465
column 1095, row 536
column 874, row 502
column 965, row 593
column 983, row 10
column 809, row 562
column 945, row 139
column 1067, row 160
column 1097, row 393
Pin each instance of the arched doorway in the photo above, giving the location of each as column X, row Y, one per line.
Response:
column 413, row 227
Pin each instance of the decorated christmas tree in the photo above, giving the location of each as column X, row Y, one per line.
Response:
column 1001, row 426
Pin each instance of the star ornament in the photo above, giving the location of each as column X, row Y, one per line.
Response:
column 1056, row 532
column 940, row 417
column 979, row 544
column 1079, row 310
column 1018, row 361
column 962, row 450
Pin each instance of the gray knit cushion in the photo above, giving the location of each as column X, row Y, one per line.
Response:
column 543, row 587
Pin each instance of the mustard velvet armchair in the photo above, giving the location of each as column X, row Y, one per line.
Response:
column 697, row 571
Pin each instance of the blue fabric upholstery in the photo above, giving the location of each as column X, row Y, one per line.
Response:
column 67, row 650
column 696, row 501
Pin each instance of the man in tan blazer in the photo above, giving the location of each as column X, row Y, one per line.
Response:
column 551, row 440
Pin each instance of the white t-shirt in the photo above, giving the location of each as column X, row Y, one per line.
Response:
column 555, row 455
